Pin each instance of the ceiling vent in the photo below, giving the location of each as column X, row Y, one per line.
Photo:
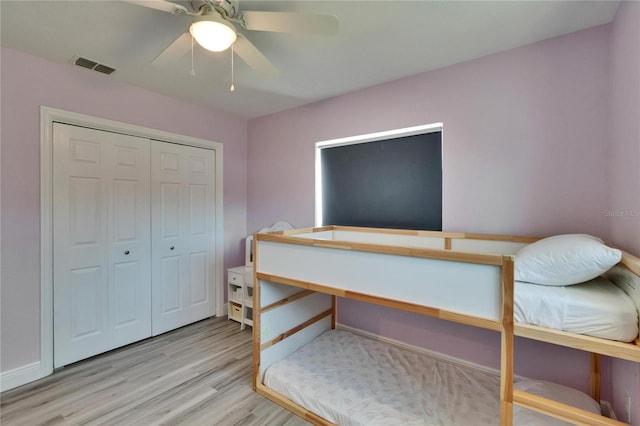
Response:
column 92, row 65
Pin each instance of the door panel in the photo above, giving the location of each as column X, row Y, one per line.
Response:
column 170, row 285
column 183, row 217
column 128, row 299
column 198, row 165
column 101, row 241
column 170, row 162
column 201, row 172
column 198, row 210
column 170, row 210
column 128, row 157
column 124, row 215
column 80, row 246
column 129, row 239
column 198, row 274
column 85, row 151
column 85, row 298
column 85, row 207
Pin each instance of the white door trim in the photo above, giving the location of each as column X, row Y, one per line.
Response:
column 47, row 117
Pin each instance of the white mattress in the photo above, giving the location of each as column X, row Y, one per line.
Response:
column 351, row 380
column 596, row 308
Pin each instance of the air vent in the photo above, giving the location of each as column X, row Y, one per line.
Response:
column 92, row 65
column 104, row 69
column 84, row 62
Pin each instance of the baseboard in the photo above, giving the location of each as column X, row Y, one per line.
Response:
column 20, row 376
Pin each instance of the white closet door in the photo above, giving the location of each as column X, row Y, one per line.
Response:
column 102, row 287
column 183, row 217
column 129, row 240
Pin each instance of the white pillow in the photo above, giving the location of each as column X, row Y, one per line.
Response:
column 564, row 260
column 566, row 395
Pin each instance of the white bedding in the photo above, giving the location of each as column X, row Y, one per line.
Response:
column 596, row 308
column 351, row 380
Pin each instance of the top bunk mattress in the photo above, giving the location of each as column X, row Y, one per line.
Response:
column 596, row 308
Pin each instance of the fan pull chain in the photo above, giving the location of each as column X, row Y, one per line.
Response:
column 192, row 73
column 232, row 88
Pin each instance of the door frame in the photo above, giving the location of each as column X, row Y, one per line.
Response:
column 47, row 117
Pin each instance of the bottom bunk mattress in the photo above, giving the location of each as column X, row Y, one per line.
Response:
column 596, row 308
column 352, row 380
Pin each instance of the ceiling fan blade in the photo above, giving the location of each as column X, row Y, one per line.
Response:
column 165, row 6
column 175, row 51
column 252, row 56
column 284, row 22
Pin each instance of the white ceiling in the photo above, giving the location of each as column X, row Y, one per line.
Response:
column 378, row 41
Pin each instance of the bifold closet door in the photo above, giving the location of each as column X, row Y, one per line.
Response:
column 102, row 244
column 183, row 237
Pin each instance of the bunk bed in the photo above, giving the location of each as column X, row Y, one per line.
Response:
column 299, row 274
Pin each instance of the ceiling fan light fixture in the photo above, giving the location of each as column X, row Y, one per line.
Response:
column 213, row 34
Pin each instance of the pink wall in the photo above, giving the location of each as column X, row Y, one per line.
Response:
column 28, row 82
column 624, row 199
column 624, row 202
column 514, row 125
column 526, row 148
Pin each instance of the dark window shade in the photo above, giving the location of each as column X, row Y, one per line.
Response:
column 393, row 183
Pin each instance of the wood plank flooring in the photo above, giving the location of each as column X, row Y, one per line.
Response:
column 196, row 375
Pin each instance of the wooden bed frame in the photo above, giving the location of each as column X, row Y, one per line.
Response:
column 295, row 297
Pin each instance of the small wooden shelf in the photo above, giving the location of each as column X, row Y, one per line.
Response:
column 240, row 295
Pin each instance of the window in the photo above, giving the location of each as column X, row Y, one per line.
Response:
column 390, row 179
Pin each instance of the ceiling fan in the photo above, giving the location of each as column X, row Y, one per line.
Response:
column 215, row 27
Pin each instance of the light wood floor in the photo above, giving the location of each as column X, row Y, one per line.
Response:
column 196, row 375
